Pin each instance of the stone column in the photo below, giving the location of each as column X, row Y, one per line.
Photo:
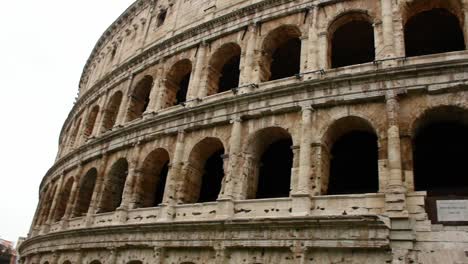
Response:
column 248, row 57
column 387, row 29
column 220, row 255
column 97, row 192
column 201, row 73
column 120, row 120
column 132, row 177
column 172, row 185
column 80, row 137
column 155, row 93
column 57, row 195
column 311, row 54
column 100, row 117
column 161, row 94
column 299, row 254
column 465, row 12
column 398, row 32
column 112, row 259
column 323, row 50
column 304, row 64
column 55, row 257
column 72, row 198
column 158, row 255
column 395, row 191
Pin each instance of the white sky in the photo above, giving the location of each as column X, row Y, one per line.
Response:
column 43, row 47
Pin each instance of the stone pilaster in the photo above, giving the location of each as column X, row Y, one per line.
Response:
column 196, row 84
column 112, row 258
column 97, row 192
column 220, row 255
column 387, row 50
column 322, row 42
column 158, row 255
column 120, row 120
column 58, row 194
column 156, row 90
column 97, row 129
column 248, row 58
column 395, row 191
column 311, row 52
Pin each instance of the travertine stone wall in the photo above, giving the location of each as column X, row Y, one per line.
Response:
column 96, row 201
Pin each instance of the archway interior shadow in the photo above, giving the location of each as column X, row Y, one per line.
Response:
column 275, row 170
column 354, row 164
column 212, row 177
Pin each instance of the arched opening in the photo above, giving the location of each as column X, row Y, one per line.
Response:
column 110, row 116
column 224, row 69
column 139, row 100
column 161, row 17
column 440, row 151
column 46, row 204
column 177, row 82
column 271, row 158
column 91, row 121
column 134, row 262
column 67, row 262
column 353, row 157
column 205, row 172
column 433, row 31
column 85, row 193
column 352, row 40
column 63, row 200
column 154, row 171
column 95, row 262
column 74, row 134
column 114, row 186
column 281, row 53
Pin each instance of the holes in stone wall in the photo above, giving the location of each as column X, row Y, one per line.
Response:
column 91, row 121
column 154, row 171
column 204, row 172
column 281, row 56
column 353, row 157
column 352, row 40
column 433, row 31
column 61, row 204
column 114, row 186
column 440, row 149
column 269, row 158
column 112, row 110
column 177, row 82
column 140, row 98
column 85, row 193
column 224, row 69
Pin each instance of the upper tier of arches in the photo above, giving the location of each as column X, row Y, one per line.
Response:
column 284, row 47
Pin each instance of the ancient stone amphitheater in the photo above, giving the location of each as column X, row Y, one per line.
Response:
column 265, row 131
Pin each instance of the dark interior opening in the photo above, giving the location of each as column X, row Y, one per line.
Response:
column 85, row 193
column 433, row 31
column 161, row 17
column 230, row 74
column 140, row 99
column 274, row 177
column 440, row 156
column 181, row 95
column 354, row 164
column 353, row 43
column 159, row 194
column 286, row 59
column 114, row 187
column 212, row 177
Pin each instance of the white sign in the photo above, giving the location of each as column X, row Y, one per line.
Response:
column 452, row 210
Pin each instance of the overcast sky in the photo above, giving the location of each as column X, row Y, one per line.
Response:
column 43, row 48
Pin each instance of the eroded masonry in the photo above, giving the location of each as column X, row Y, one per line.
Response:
column 265, row 131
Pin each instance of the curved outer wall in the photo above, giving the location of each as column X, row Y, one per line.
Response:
column 156, row 105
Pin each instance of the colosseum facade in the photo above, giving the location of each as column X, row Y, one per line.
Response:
column 265, row 131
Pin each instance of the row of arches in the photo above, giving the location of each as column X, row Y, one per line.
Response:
column 351, row 41
column 350, row 155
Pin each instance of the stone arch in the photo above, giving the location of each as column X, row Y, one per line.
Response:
column 91, row 121
column 114, row 186
column 269, row 160
column 223, row 70
column 432, row 27
column 67, row 262
column 95, row 262
column 281, row 53
column 135, row 262
column 350, row 157
column 351, row 39
column 85, row 192
column 46, row 205
column 74, row 134
column 177, row 82
column 204, row 171
column 112, row 110
column 61, row 204
column 140, row 98
column 440, row 148
column 153, row 176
